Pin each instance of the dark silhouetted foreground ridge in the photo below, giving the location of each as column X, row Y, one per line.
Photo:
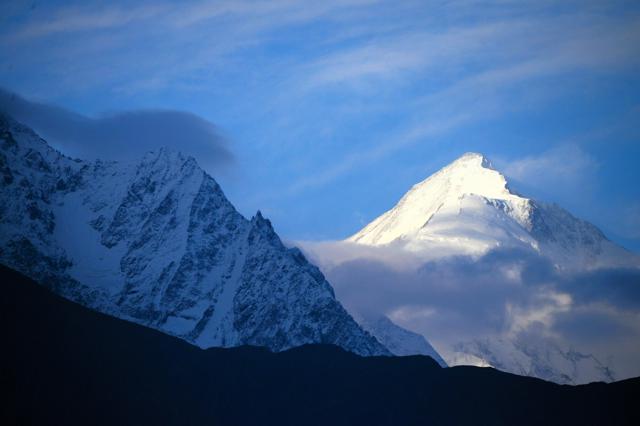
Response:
column 64, row 364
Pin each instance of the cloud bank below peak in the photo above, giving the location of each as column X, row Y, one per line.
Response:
column 504, row 294
column 121, row 135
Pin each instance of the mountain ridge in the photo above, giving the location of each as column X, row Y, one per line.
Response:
column 156, row 241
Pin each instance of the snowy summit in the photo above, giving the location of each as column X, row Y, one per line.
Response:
column 468, row 208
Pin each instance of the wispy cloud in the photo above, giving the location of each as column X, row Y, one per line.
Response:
column 398, row 54
column 374, row 153
column 259, row 15
column 81, row 19
column 565, row 164
column 322, row 92
column 168, row 41
column 481, row 66
column 271, row 14
column 514, row 50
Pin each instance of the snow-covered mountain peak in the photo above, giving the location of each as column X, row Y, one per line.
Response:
column 468, row 208
column 472, row 173
column 473, row 159
column 155, row 241
column 447, row 192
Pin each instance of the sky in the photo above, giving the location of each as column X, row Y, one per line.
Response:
column 323, row 115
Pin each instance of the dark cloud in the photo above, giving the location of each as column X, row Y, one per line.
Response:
column 584, row 325
column 466, row 293
column 122, row 135
column 617, row 287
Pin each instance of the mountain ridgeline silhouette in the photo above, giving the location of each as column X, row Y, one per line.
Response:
column 63, row 363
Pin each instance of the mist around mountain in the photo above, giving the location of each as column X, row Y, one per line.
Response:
column 491, row 277
column 65, row 364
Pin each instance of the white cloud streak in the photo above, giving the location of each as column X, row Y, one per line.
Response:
column 447, row 76
column 520, row 52
column 565, row 164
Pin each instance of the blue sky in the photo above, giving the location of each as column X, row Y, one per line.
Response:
column 329, row 111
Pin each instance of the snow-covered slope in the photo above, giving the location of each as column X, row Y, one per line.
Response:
column 398, row 340
column 467, row 208
column 546, row 360
column 157, row 242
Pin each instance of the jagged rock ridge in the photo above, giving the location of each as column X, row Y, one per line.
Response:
column 157, row 242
